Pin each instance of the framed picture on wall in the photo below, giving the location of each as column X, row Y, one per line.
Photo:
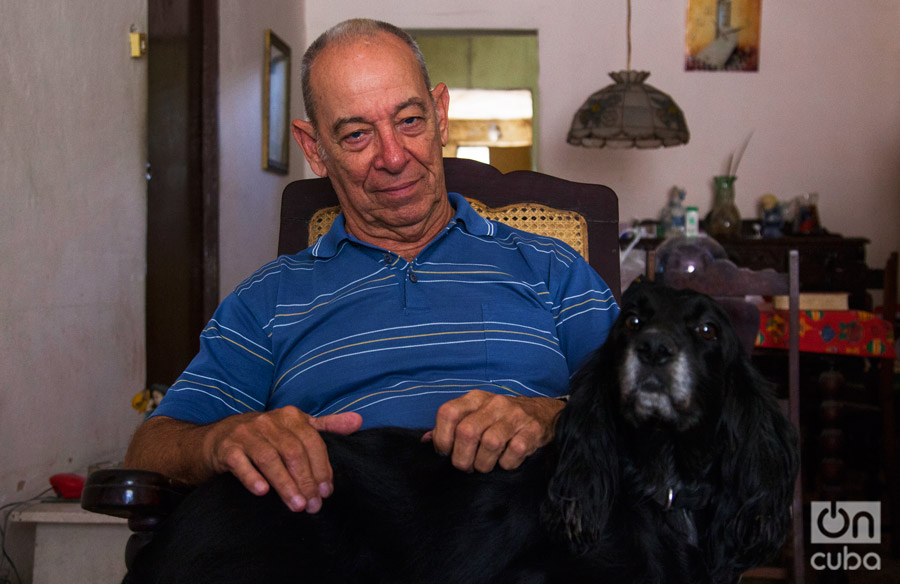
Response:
column 276, row 100
column 722, row 35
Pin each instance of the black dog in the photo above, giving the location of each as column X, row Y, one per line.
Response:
column 671, row 463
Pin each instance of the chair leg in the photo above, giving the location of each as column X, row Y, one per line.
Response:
column 886, row 391
column 889, row 449
column 138, row 540
column 799, row 560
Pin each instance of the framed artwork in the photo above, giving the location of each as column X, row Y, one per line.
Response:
column 276, row 100
column 722, row 35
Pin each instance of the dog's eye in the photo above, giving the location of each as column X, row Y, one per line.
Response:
column 633, row 322
column 707, row 331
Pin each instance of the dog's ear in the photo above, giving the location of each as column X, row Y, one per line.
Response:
column 583, row 487
column 760, row 462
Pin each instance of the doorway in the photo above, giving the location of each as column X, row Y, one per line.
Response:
column 495, row 73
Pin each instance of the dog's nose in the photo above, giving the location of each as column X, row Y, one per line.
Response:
column 655, row 348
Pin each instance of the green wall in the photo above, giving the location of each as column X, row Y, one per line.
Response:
column 484, row 60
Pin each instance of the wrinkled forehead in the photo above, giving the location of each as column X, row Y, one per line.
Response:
column 365, row 63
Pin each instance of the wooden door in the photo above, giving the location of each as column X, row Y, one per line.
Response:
column 182, row 190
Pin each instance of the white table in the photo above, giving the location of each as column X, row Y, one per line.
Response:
column 74, row 546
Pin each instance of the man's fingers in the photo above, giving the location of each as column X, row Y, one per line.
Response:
column 305, row 456
column 481, row 430
column 481, row 436
column 492, row 445
column 444, row 430
column 517, row 450
column 465, row 445
column 345, row 423
column 258, row 465
column 282, row 450
column 286, row 478
column 241, row 467
column 313, row 472
column 449, row 415
column 505, row 437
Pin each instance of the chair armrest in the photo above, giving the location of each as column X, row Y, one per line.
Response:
column 143, row 497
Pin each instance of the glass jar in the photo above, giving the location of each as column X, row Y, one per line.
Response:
column 724, row 219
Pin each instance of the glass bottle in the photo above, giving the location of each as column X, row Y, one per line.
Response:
column 724, row 219
column 676, row 227
column 671, row 219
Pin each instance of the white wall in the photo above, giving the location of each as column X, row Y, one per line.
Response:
column 824, row 106
column 72, row 212
column 249, row 197
column 72, row 237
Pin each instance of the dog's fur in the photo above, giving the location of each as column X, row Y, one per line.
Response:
column 671, row 463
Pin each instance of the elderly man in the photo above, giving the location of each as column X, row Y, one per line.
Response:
column 412, row 310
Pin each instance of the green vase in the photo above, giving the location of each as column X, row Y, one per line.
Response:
column 724, row 219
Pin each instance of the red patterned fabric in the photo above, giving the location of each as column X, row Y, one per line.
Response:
column 842, row 332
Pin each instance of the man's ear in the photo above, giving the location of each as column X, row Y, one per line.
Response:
column 441, row 96
column 305, row 134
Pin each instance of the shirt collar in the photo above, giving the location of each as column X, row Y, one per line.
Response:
column 466, row 217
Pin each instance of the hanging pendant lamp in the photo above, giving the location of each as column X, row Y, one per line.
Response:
column 629, row 113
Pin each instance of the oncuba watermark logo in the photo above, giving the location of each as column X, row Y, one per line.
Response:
column 849, row 523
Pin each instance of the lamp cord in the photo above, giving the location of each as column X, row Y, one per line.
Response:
column 628, row 30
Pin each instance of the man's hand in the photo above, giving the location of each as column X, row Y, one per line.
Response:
column 279, row 449
column 481, row 429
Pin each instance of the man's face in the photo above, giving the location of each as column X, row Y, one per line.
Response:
column 380, row 132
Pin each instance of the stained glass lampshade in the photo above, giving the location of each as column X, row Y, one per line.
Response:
column 629, row 113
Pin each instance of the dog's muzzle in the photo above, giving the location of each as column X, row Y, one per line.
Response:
column 655, row 378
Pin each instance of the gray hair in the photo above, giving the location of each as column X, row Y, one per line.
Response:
column 346, row 31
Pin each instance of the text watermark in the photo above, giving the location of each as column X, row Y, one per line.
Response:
column 845, row 522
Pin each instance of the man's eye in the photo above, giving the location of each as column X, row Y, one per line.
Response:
column 411, row 121
column 354, row 136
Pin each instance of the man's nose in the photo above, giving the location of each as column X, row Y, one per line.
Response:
column 392, row 155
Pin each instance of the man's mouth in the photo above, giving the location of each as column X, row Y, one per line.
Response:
column 400, row 188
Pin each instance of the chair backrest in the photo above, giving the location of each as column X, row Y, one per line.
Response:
column 730, row 285
column 516, row 198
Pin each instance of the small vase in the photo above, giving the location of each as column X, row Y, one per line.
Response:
column 724, row 219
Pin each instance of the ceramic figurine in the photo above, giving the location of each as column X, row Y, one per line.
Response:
column 772, row 217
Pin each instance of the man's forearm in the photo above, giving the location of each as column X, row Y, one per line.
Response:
column 171, row 447
column 279, row 449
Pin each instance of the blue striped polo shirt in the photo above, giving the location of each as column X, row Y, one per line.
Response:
column 344, row 326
